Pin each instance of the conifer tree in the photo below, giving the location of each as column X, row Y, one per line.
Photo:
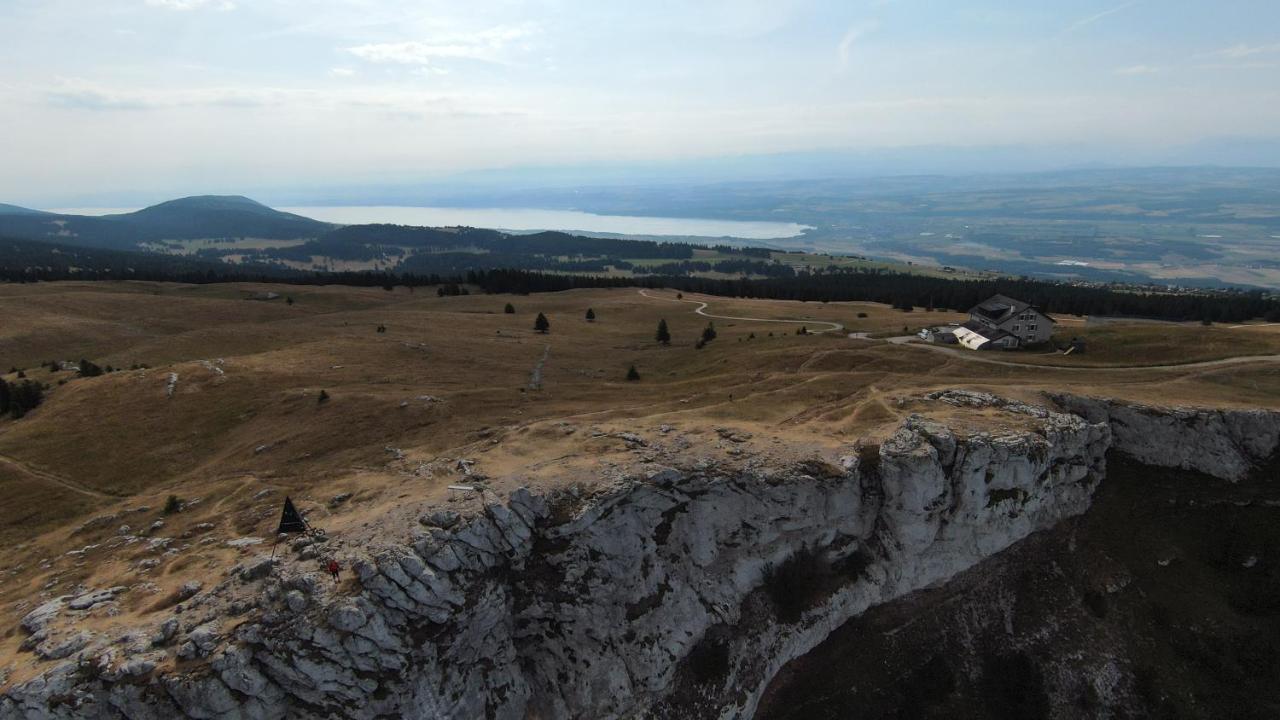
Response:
column 542, row 325
column 709, row 332
column 509, row 309
column 664, row 335
column 633, row 374
column 591, row 315
column 323, row 398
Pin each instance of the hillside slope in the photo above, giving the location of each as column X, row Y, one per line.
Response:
column 200, row 217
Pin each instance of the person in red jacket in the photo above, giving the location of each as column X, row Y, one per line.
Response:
column 333, row 568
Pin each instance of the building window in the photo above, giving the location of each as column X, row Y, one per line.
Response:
column 1016, row 328
column 1031, row 326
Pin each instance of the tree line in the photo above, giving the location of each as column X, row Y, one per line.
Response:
column 30, row 261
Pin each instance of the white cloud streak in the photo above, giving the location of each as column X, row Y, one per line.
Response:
column 1085, row 22
column 486, row 45
column 1242, row 50
column 192, row 4
column 851, row 37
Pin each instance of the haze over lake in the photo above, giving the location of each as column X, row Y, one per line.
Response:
column 522, row 219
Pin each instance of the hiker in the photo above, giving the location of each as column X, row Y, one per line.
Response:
column 333, row 569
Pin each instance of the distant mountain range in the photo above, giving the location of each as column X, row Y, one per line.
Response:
column 192, row 218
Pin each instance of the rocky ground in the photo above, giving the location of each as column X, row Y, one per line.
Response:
column 610, row 599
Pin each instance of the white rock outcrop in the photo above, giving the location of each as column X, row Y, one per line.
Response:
column 1227, row 444
column 556, row 606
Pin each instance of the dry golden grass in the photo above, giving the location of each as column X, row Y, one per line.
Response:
column 448, row 379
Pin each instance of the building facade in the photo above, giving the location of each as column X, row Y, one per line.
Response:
column 1001, row 322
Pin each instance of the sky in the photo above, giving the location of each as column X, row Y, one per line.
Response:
column 170, row 97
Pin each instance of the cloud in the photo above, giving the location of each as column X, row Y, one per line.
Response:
column 1137, row 70
column 486, row 45
column 193, row 4
column 1084, row 22
column 79, row 94
column 1241, row 50
column 342, row 72
column 851, row 36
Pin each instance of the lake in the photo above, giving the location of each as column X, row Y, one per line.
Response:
column 522, row 219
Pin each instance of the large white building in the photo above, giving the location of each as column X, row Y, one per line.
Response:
column 1000, row 322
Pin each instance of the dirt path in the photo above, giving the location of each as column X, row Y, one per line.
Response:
column 71, row 485
column 975, row 356
column 702, row 310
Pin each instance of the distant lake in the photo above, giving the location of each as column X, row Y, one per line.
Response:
column 535, row 219
column 522, row 219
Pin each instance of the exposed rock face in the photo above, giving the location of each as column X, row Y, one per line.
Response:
column 1227, row 444
column 556, row 607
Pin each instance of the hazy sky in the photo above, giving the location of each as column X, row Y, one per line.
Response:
column 175, row 96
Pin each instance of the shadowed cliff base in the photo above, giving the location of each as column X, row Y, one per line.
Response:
column 1162, row 601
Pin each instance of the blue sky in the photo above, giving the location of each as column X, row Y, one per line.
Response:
column 175, row 96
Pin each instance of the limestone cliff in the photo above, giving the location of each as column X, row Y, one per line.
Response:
column 677, row 594
column 1227, row 444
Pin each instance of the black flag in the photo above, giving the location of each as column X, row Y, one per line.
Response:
column 290, row 519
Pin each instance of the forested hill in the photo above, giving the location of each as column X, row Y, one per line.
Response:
column 27, row 261
column 206, row 216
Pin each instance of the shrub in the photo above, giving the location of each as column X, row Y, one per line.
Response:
column 663, row 335
column 633, row 374
column 591, row 315
column 862, row 315
column 322, row 398
column 509, row 309
column 173, row 504
column 541, row 324
column 89, row 369
column 20, row 398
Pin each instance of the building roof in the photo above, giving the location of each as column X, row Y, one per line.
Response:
column 974, row 335
column 987, row 332
column 999, row 308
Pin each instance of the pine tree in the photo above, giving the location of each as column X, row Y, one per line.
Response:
column 323, row 398
column 709, row 332
column 633, row 374
column 288, row 300
column 542, row 325
column 89, row 369
column 591, row 315
column 509, row 309
column 664, row 335
column 4, row 397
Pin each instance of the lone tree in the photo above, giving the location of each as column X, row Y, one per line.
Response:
column 323, row 398
column 509, row 309
column 632, row 374
column 664, row 335
column 591, row 315
column 803, row 330
column 709, row 332
column 541, row 324
column 89, row 369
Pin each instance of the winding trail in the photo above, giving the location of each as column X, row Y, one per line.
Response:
column 702, row 310
column 975, row 356
column 71, row 485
